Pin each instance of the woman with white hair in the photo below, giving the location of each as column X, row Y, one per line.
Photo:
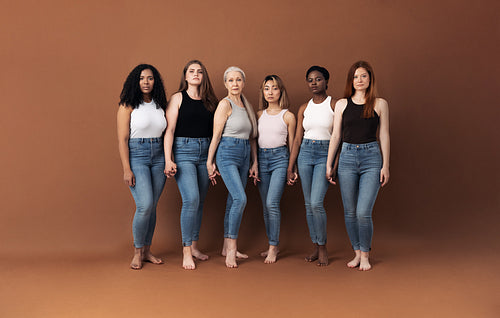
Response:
column 234, row 133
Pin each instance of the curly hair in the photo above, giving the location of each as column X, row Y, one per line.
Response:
column 131, row 94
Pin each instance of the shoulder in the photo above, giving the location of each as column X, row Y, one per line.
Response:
column 381, row 102
column 224, row 106
column 302, row 108
column 381, row 105
column 176, row 98
column 288, row 115
column 124, row 109
column 333, row 101
column 340, row 105
column 260, row 112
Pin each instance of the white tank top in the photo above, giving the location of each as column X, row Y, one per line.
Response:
column 272, row 130
column 147, row 121
column 318, row 120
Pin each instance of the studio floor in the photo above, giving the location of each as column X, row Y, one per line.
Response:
column 410, row 278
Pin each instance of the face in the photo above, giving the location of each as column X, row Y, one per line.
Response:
column 316, row 82
column 271, row 92
column 194, row 74
column 146, row 81
column 234, row 83
column 361, row 80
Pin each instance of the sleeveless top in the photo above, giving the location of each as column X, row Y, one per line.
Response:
column 272, row 130
column 355, row 128
column 194, row 120
column 147, row 121
column 238, row 124
column 318, row 120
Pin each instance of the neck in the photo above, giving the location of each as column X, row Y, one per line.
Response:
column 273, row 106
column 319, row 98
column 360, row 96
column 146, row 98
column 235, row 98
column 193, row 92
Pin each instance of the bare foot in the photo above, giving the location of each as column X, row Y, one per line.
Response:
column 152, row 259
column 198, row 255
column 322, row 256
column 313, row 256
column 137, row 259
column 147, row 256
column 355, row 261
column 264, row 254
column 196, row 252
column 187, row 260
column 238, row 254
column 364, row 264
column 231, row 259
column 272, row 253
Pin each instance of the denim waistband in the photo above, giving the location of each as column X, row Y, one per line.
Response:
column 315, row 142
column 368, row 145
column 144, row 140
column 235, row 140
column 187, row 139
column 273, row 150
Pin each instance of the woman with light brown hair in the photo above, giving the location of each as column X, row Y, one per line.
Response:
column 190, row 114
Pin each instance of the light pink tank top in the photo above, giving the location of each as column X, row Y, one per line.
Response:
column 272, row 130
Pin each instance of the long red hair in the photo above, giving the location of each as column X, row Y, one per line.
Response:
column 371, row 91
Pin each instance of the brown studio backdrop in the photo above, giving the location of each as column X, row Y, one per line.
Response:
column 63, row 64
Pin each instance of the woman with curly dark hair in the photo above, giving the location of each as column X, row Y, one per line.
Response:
column 141, row 122
column 190, row 116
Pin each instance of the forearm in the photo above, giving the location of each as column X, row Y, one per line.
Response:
column 385, row 146
column 124, row 154
column 168, row 143
column 332, row 150
column 253, row 150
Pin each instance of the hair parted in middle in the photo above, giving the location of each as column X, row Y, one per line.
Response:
column 131, row 94
column 246, row 103
column 371, row 91
column 206, row 90
column 283, row 102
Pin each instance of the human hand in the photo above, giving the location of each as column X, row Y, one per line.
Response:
column 254, row 174
column 129, row 178
column 384, row 176
column 170, row 168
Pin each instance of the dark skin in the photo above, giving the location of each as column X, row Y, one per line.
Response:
column 317, row 85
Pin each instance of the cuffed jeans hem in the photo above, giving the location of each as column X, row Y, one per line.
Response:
column 231, row 236
column 364, row 250
column 274, row 243
column 185, row 244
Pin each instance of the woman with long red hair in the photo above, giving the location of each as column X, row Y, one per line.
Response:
column 364, row 161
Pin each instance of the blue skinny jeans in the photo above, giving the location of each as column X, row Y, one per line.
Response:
column 312, row 170
column 359, row 180
column 273, row 163
column 233, row 162
column 190, row 156
column 147, row 162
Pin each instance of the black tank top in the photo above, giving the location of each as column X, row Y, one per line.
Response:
column 194, row 120
column 355, row 128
